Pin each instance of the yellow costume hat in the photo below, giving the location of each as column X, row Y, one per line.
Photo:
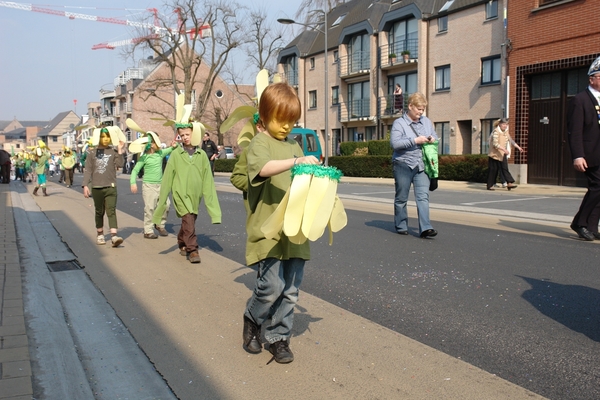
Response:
column 182, row 120
column 140, row 145
column 116, row 135
column 250, row 112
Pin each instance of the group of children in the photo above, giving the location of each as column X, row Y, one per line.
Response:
column 264, row 173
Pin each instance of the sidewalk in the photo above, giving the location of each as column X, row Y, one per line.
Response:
column 187, row 321
column 15, row 366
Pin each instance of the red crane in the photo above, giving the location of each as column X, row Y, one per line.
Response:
column 157, row 30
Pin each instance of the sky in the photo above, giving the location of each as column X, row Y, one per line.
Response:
column 47, row 65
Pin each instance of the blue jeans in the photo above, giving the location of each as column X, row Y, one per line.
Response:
column 275, row 295
column 403, row 177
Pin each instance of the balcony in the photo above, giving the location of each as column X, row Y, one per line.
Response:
column 387, row 108
column 356, row 110
column 355, row 64
column 291, row 77
column 411, row 45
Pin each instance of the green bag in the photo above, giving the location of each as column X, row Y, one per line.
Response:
column 430, row 158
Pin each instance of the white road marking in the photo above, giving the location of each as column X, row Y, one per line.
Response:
column 504, row 201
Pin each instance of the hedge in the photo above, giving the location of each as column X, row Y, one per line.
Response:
column 471, row 167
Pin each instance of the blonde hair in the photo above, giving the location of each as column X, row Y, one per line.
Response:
column 417, row 99
column 279, row 101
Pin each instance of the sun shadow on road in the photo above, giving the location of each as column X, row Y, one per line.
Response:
column 576, row 307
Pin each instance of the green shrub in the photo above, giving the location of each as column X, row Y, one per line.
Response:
column 225, row 164
column 348, row 148
column 380, row 148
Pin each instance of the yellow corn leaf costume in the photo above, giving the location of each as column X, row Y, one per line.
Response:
column 309, row 206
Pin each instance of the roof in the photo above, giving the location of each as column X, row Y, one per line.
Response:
column 54, row 123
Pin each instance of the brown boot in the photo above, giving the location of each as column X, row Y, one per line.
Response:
column 35, row 190
column 44, row 190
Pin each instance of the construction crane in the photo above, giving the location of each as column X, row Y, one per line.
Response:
column 157, row 31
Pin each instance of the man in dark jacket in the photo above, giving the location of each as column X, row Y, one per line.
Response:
column 210, row 148
column 583, row 124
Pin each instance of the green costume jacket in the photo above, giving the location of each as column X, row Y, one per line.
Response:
column 190, row 179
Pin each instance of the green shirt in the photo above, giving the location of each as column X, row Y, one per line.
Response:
column 264, row 195
column 190, row 179
column 40, row 164
column 152, row 164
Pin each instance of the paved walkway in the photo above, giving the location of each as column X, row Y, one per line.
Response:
column 16, row 379
column 15, row 366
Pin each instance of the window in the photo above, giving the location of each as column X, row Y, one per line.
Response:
column 339, row 19
column 404, row 35
column 491, row 9
column 544, row 2
column 54, row 139
column 546, row 86
column 442, row 78
column 312, row 99
column 370, row 133
column 487, row 126
column 359, row 53
column 359, row 100
column 490, row 70
column 335, row 95
column 442, row 129
column 312, row 62
column 336, row 56
column 443, row 24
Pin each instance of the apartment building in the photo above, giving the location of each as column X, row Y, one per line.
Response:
column 454, row 57
column 551, row 44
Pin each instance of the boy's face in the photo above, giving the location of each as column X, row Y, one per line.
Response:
column 279, row 130
column 186, row 136
column 104, row 139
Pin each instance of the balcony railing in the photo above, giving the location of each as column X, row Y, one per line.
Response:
column 126, row 76
column 356, row 110
column 389, row 108
column 411, row 45
column 359, row 62
column 291, row 76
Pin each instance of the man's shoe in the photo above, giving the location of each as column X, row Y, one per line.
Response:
column 182, row 251
column 116, row 241
column 194, row 257
column 281, row 352
column 251, row 336
column 511, row 186
column 596, row 235
column 583, row 232
column 428, row 233
column 402, row 232
column 161, row 231
column 150, row 236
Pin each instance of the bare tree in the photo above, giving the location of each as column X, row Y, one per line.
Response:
column 304, row 10
column 265, row 41
column 198, row 39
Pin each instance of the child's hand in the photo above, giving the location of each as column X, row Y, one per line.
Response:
column 174, row 143
column 120, row 147
column 307, row 160
column 86, row 192
column 134, row 188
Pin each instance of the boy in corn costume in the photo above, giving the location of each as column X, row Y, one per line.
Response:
column 280, row 263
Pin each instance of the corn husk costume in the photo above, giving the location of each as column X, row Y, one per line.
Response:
column 143, row 143
column 183, row 113
column 311, row 203
column 41, row 156
column 116, row 135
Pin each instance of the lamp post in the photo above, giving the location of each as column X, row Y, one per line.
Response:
column 326, row 102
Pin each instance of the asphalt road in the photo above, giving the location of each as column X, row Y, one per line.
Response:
column 517, row 299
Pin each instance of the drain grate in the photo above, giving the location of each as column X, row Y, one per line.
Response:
column 59, row 266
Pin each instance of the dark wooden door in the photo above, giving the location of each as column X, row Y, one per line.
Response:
column 545, row 144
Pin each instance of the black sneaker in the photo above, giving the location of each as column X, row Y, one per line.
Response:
column 251, row 336
column 281, row 352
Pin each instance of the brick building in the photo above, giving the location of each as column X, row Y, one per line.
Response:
column 551, row 44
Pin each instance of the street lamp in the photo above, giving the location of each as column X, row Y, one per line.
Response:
column 326, row 102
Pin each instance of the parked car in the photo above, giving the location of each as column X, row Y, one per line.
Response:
column 229, row 152
column 309, row 141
